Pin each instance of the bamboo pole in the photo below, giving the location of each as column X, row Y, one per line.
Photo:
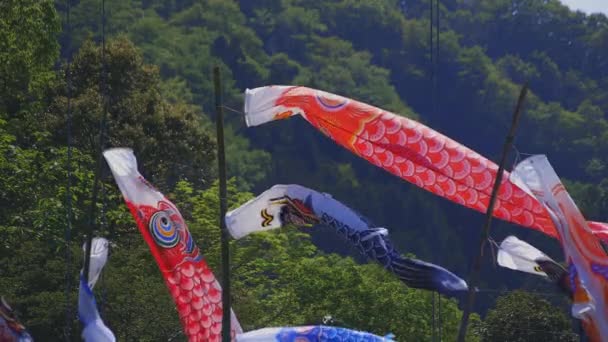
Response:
column 102, row 126
column 474, row 278
column 221, row 159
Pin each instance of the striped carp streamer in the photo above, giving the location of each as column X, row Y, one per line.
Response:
column 294, row 204
column 403, row 147
column 585, row 256
column 94, row 328
column 196, row 292
column 11, row 330
column 316, row 333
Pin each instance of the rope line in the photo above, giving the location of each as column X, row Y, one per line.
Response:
column 437, row 109
column 102, row 125
column 68, row 188
column 233, row 110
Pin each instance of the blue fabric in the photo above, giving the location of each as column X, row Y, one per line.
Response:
column 94, row 328
column 414, row 273
column 9, row 333
column 87, row 305
column 322, row 333
column 375, row 244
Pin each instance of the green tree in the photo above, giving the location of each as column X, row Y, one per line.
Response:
column 168, row 138
column 522, row 316
column 28, row 49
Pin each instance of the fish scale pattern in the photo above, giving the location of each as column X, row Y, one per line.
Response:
column 418, row 154
column 191, row 283
column 193, row 287
column 414, row 273
column 407, row 149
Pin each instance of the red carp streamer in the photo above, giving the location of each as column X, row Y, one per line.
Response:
column 196, row 292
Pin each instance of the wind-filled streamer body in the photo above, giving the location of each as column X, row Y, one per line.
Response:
column 586, row 258
column 519, row 255
column 403, row 147
column 294, row 204
column 11, row 330
column 315, row 333
column 196, row 292
column 94, row 328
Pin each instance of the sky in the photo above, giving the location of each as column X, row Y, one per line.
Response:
column 588, row 6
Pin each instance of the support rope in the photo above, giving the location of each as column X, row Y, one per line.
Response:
column 104, row 228
column 432, row 92
column 68, row 187
column 437, row 109
column 102, row 124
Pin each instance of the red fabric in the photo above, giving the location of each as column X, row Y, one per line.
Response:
column 417, row 154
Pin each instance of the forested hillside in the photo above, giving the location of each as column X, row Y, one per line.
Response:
column 158, row 62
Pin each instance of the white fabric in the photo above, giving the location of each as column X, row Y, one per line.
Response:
column 260, row 335
column 260, row 105
column 536, row 172
column 97, row 331
column 99, row 256
column 136, row 189
column 94, row 329
column 248, row 218
column 519, row 255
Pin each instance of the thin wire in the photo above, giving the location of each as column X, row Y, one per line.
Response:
column 175, row 335
column 437, row 110
column 233, row 110
column 493, row 251
column 493, row 245
column 563, row 333
column 104, row 223
column 432, row 67
column 518, row 155
column 102, row 125
column 440, row 319
column 68, row 188
column 548, row 294
column 433, row 314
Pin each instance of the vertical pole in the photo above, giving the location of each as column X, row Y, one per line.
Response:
column 474, row 278
column 440, row 323
column 221, row 159
column 68, row 187
column 102, row 125
column 433, row 339
column 432, row 92
column 435, row 114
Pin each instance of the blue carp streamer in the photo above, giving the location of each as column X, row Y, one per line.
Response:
column 315, row 333
column 294, row 204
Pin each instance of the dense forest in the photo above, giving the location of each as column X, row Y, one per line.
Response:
column 157, row 74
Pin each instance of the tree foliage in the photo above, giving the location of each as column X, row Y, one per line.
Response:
column 157, row 78
column 522, row 316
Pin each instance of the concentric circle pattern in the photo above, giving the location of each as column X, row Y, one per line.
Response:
column 163, row 230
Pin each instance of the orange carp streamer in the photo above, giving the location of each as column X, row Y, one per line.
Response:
column 587, row 260
column 405, row 148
